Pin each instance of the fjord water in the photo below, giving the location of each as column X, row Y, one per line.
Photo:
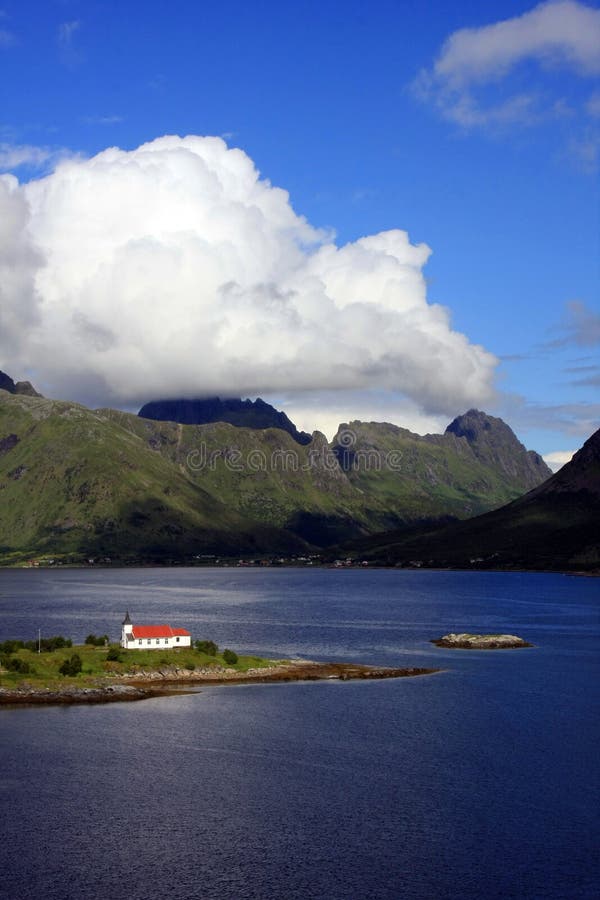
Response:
column 478, row 782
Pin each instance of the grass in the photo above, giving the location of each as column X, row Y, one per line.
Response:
column 44, row 667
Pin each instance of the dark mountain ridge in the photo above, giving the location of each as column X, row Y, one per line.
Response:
column 240, row 413
column 555, row 526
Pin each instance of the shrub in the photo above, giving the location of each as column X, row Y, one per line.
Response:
column 14, row 664
column 56, row 643
column 111, row 667
column 71, row 666
column 208, row 647
column 11, row 646
column 97, row 641
column 113, row 655
column 48, row 645
column 230, row 657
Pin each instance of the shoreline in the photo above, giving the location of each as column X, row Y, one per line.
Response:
column 373, row 565
column 145, row 685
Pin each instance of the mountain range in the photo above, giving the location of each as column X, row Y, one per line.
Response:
column 77, row 483
column 476, row 465
column 554, row 526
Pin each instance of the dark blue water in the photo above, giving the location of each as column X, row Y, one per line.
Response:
column 479, row 782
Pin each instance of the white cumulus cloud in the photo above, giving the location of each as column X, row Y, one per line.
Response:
column 176, row 270
column 326, row 410
column 19, row 262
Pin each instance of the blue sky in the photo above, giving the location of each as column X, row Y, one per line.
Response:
column 484, row 148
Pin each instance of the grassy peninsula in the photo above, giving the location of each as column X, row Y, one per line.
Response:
column 94, row 674
column 43, row 669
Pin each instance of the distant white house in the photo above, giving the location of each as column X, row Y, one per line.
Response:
column 152, row 637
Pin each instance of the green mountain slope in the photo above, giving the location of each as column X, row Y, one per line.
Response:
column 477, row 465
column 107, row 483
column 556, row 526
column 74, row 481
column 264, row 475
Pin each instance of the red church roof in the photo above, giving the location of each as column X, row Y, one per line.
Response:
column 158, row 631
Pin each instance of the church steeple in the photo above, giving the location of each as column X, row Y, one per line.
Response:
column 126, row 631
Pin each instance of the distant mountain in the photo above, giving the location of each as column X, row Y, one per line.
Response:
column 21, row 387
column 241, row 413
column 477, row 465
column 493, row 443
column 556, row 526
column 84, row 483
column 81, row 483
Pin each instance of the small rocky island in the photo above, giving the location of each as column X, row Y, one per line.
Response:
column 465, row 641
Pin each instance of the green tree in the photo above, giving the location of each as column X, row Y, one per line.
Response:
column 97, row 641
column 71, row 666
column 48, row 645
column 11, row 646
column 230, row 657
column 208, row 647
column 14, row 664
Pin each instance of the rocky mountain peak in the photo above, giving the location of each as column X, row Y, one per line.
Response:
column 477, row 426
column 492, row 441
column 20, row 387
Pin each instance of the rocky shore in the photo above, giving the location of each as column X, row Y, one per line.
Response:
column 466, row 641
column 142, row 684
column 102, row 693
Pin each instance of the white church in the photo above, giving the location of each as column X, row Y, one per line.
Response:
column 152, row 637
